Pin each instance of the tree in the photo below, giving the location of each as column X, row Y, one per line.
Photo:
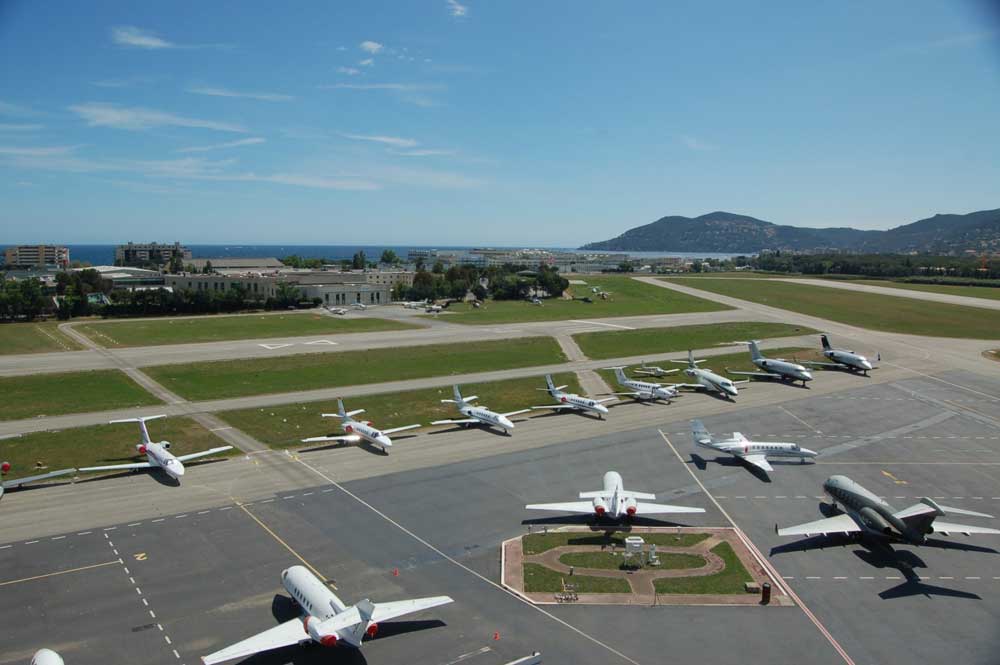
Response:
column 176, row 264
column 389, row 256
column 359, row 262
column 438, row 267
column 208, row 268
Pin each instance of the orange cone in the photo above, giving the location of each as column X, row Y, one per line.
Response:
column 496, row 636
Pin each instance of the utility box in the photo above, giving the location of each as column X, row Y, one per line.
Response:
column 633, row 544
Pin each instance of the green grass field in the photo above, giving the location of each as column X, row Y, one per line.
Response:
column 627, row 298
column 39, row 452
column 539, row 579
column 730, row 580
column 21, row 337
column 286, row 426
column 237, row 378
column 70, row 392
column 622, row 343
column 877, row 312
column 117, row 334
column 739, row 362
column 536, row 543
column 609, row 561
column 987, row 292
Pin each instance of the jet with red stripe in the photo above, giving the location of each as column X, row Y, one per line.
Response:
column 358, row 430
column 614, row 502
column 752, row 452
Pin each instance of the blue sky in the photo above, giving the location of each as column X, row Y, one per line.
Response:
column 475, row 122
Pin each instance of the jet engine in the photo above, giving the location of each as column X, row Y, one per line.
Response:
column 140, row 448
column 630, row 507
column 165, row 444
column 599, row 507
column 4, row 468
column 874, row 521
column 312, row 626
column 372, row 630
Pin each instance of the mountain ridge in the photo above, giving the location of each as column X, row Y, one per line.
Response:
column 722, row 231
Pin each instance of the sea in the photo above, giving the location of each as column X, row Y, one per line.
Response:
column 105, row 254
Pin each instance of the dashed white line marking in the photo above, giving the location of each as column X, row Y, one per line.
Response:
column 308, row 494
column 134, row 524
column 288, row 497
column 177, row 517
column 946, row 578
column 110, row 528
column 58, row 537
column 160, row 627
column 146, row 603
column 4, row 547
column 30, row 542
column 598, row 323
column 267, row 501
column 159, row 520
column 84, row 533
column 225, row 508
column 176, row 655
column 839, row 577
column 138, row 591
column 202, row 512
column 167, row 638
column 132, row 580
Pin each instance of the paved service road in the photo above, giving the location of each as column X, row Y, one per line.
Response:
column 969, row 301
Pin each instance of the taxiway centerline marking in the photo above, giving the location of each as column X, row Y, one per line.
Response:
column 598, row 323
column 283, row 543
column 59, row 572
column 800, row 420
column 461, row 565
column 767, row 564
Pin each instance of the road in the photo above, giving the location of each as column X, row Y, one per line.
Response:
column 950, row 299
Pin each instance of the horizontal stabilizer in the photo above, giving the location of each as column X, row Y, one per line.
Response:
column 946, row 528
column 140, row 419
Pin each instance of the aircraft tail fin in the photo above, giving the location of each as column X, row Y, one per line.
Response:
column 341, row 411
column 548, row 382
column 754, row 351
column 366, row 608
column 825, row 341
column 700, row 434
column 142, row 424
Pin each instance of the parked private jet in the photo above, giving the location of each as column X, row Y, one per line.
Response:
column 842, row 359
column 478, row 415
column 614, row 502
column 774, row 368
column 751, row 452
column 325, row 619
column 868, row 515
column 707, row 379
column 643, row 390
column 356, row 430
column 17, row 482
column 158, row 455
column 572, row 401
column 46, row 657
column 653, row 370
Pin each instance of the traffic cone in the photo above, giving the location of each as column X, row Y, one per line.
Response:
column 496, row 636
column 395, row 572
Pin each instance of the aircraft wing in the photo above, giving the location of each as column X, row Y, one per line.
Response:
column 283, row 635
column 759, row 461
column 766, row 375
column 114, row 467
column 204, row 453
column 460, row 421
column 350, row 438
column 663, row 509
column 838, row 524
column 17, row 482
column 582, row 507
column 556, row 406
column 400, row 429
column 820, row 363
column 919, row 509
column 689, row 386
column 606, row 399
column 946, row 528
column 398, row 608
column 515, row 413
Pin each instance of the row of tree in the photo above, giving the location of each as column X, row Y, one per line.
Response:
column 154, row 302
column 876, row 265
column 500, row 283
column 22, row 299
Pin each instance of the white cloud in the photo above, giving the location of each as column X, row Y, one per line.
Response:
column 694, row 143
column 129, row 35
column 367, row 62
column 260, row 96
column 424, row 153
column 8, row 127
column 135, row 118
column 15, row 151
column 371, row 47
column 350, row 71
column 16, row 110
column 394, row 141
column 399, row 87
column 457, row 9
column 221, row 146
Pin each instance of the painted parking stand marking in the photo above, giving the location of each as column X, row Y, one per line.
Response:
column 59, row 572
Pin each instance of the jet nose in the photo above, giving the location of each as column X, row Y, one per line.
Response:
column 176, row 470
column 866, row 364
column 806, row 376
column 731, row 390
column 808, row 453
column 600, row 408
column 505, row 421
column 384, row 441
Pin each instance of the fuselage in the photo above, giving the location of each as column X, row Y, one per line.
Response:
column 612, row 502
column 872, row 513
column 318, row 603
column 743, row 447
column 712, row 381
column 487, row 417
column 855, row 360
column 367, row 432
column 784, row 368
column 158, row 455
column 582, row 403
column 646, row 389
column 46, row 657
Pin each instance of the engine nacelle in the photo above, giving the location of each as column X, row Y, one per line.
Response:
column 165, row 444
column 599, row 508
column 630, row 508
column 312, row 627
column 874, row 521
column 140, row 448
column 4, row 468
column 372, row 630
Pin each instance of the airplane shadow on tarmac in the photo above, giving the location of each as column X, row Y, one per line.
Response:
column 731, row 462
column 596, row 525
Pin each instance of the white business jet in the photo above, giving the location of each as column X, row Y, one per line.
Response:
column 325, row 619
column 478, row 415
column 356, row 430
column 158, row 455
column 614, row 502
column 751, row 452
column 571, row 401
